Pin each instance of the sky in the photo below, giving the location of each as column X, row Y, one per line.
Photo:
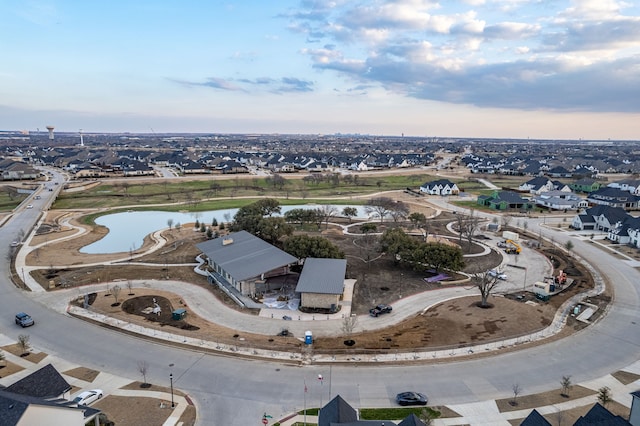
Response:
column 545, row 69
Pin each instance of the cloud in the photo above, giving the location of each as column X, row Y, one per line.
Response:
column 521, row 54
column 255, row 85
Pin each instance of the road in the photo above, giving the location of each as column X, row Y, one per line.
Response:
column 234, row 392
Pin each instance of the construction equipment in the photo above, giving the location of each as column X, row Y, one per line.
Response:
column 512, row 247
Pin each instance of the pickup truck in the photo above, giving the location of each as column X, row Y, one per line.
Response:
column 380, row 309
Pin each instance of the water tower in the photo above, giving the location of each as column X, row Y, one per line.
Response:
column 50, row 129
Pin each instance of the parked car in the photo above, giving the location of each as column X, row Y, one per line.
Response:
column 411, row 398
column 24, row 320
column 380, row 309
column 14, row 244
column 87, row 397
column 497, row 274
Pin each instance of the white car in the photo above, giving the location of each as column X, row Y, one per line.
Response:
column 497, row 274
column 87, row 397
column 30, row 206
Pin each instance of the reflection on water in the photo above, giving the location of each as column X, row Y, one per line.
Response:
column 127, row 230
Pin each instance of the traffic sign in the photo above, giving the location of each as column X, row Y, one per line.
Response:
column 265, row 421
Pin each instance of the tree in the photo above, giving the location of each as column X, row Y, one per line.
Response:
column 367, row 228
column 2, row 358
column 214, row 222
column 115, row 291
column 568, row 246
column 209, row 233
column 327, row 211
column 418, row 220
column 486, row 284
column 349, row 324
column 248, row 217
column 379, row 207
column 203, row 227
column 427, row 415
column 517, row 390
column 143, row 368
column 130, row 287
column 271, row 229
column 506, row 220
column 604, row 396
column 395, row 241
column 398, row 211
column 350, row 212
column 197, row 224
column 434, row 256
column 469, row 225
column 303, row 246
column 23, row 343
column 169, row 223
column 566, row 385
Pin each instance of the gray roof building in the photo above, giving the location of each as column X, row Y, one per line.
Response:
column 243, row 255
column 323, row 276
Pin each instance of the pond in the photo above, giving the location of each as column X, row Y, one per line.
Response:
column 128, row 229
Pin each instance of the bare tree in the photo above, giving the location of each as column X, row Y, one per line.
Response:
column 2, row 359
column 170, row 223
column 349, row 324
column 143, row 368
column 115, row 291
column 327, row 212
column 566, row 385
column 506, row 220
column 469, row 226
column 486, row 284
column 398, row 211
column 23, row 343
column 130, row 287
column 379, row 207
column 517, row 390
column 427, row 416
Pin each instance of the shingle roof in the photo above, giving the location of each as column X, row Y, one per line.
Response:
column 535, row 419
column 44, row 383
column 600, row 416
column 247, row 256
column 324, row 276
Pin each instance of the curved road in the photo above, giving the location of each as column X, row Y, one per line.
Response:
column 235, row 392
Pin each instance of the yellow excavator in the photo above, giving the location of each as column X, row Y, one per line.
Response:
column 512, row 247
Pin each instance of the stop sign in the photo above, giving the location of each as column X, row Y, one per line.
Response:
column 265, row 421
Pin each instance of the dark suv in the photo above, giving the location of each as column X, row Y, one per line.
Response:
column 24, row 320
column 380, row 309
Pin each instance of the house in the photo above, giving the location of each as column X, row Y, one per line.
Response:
column 625, row 231
column 41, row 398
column 242, row 261
column 585, row 185
column 598, row 416
column 601, row 218
column 629, row 185
column 537, row 185
column 614, row 197
column 321, row 283
column 535, row 419
column 15, row 170
column 559, row 200
column 339, row 412
column 44, row 383
column 559, row 171
column 440, row 187
column 504, row 200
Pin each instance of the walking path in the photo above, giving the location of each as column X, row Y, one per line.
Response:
column 204, row 304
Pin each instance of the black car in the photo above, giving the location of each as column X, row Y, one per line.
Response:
column 380, row 309
column 411, row 398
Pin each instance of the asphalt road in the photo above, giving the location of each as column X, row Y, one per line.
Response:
column 236, row 392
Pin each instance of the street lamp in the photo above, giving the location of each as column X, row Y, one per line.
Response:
column 171, row 381
column 321, row 379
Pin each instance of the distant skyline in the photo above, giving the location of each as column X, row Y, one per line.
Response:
column 522, row 69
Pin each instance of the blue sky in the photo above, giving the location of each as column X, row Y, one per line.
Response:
column 465, row 68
